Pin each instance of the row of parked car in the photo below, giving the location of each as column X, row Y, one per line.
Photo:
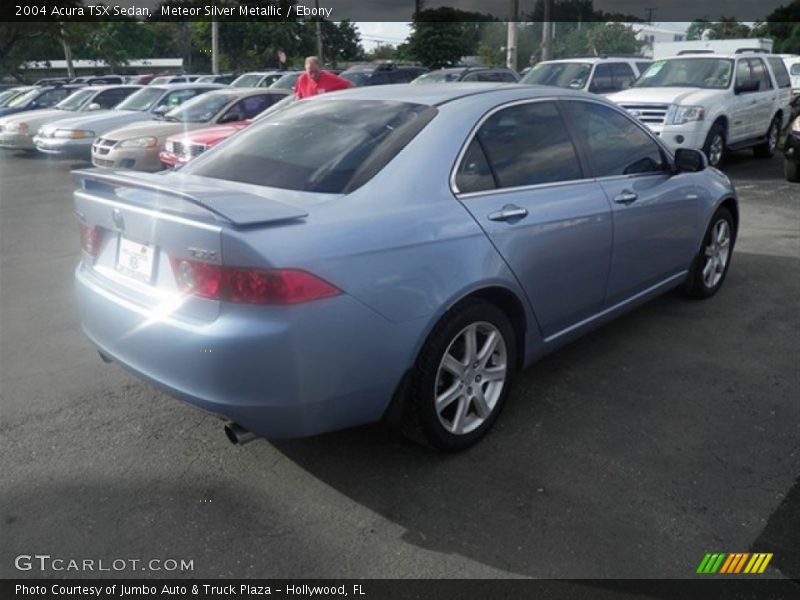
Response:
column 717, row 103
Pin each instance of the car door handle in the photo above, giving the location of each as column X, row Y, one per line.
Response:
column 508, row 212
column 626, row 197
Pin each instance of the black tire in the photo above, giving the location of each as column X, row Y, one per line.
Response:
column 422, row 422
column 768, row 148
column 696, row 286
column 791, row 170
column 717, row 131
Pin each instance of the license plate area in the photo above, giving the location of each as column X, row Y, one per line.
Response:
column 135, row 259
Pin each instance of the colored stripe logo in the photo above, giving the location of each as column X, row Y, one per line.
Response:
column 734, row 563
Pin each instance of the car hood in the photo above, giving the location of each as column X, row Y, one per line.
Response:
column 666, row 95
column 12, row 110
column 101, row 121
column 211, row 135
column 159, row 129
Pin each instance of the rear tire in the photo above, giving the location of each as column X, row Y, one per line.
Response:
column 713, row 260
column 791, row 170
column 462, row 377
column 768, row 148
column 714, row 148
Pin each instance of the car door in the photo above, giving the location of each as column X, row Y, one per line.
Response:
column 766, row 97
column 741, row 125
column 522, row 180
column 656, row 214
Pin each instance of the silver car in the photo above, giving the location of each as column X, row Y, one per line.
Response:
column 392, row 252
column 74, row 136
column 17, row 131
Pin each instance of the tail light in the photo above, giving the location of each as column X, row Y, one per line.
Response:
column 250, row 286
column 90, row 239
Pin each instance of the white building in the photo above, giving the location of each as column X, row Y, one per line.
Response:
column 652, row 35
column 87, row 67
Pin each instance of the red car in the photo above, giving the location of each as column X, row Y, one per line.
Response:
column 183, row 147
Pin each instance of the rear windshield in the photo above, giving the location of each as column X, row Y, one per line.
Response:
column 75, row 101
column 443, row 76
column 247, row 81
column 141, row 100
column 330, row 146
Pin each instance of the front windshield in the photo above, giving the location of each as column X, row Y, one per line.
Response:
column 76, row 100
column 23, row 99
column 708, row 73
column 142, row 100
column 286, row 82
column 563, row 75
column 444, row 76
column 200, row 109
column 246, row 81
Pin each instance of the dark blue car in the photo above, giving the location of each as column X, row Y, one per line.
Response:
column 40, row 97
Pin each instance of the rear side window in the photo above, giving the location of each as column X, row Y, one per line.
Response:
column 760, row 74
column 779, row 69
column 111, row 98
column 602, row 81
column 795, row 69
column 616, row 144
column 523, row 145
column 329, row 147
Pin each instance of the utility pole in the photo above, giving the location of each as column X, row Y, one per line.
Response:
column 513, row 31
column 319, row 35
column 67, row 51
column 215, row 47
column 547, row 30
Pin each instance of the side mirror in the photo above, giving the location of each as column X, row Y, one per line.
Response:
column 161, row 110
column 744, row 87
column 94, row 106
column 689, row 160
column 230, row 118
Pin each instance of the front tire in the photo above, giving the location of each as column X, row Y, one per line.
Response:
column 714, row 148
column 712, row 262
column 462, row 376
column 768, row 148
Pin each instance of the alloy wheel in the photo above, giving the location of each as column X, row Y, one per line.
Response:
column 471, row 377
column 717, row 253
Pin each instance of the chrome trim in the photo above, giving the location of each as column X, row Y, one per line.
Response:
column 522, row 188
column 617, row 306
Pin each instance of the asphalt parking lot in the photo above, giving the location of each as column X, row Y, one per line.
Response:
column 631, row 453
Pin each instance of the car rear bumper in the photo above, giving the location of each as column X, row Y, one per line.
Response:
column 277, row 371
column 171, row 160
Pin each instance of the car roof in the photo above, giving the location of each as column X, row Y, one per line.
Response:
column 436, row 94
column 596, row 59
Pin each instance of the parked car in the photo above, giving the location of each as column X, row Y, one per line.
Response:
column 717, row 103
column 17, row 131
column 454, row 74
column 8, row 95
column 791, row 152
column 137, row 146
column 792, row 64
column 381, row 74
column 172, row 79
column 38, row 98
column 596, row 74
column 392, row 251
column 146, row 78
column 223, row 79
column 74, row 136
column 287, row 81
column 257, row 79
column 100, row 80
column 180, row 148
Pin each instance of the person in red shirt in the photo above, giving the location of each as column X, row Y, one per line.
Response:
column 317, row 81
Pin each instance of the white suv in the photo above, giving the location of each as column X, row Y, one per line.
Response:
column 713, row 102
column 596, row 74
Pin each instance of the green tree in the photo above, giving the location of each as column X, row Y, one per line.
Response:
column 783, row 26
column 382, row 52
column 341, row 42
column 441, row 37
column 612, row 38
column 696, row 29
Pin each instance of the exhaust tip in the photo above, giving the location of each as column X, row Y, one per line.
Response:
column 238, row 435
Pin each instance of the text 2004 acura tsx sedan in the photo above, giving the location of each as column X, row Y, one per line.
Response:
column 395, row 251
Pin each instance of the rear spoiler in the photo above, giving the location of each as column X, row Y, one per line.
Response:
column 153, row 191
